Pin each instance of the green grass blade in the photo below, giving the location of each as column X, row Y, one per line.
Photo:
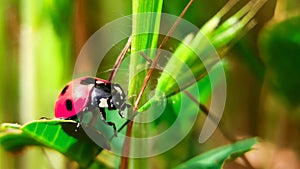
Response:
column 145, row 28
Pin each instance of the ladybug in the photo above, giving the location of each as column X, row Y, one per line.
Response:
column 89, row 94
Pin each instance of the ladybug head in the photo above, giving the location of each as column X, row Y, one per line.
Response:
column 118, row 97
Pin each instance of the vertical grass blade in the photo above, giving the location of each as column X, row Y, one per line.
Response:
column 146, row 19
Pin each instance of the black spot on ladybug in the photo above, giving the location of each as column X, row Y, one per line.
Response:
column 69, row 105
column 64, row 90
column 88, row 81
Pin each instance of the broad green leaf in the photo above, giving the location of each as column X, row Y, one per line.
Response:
column 214, row 159
column 13, row 139
column 59, row 135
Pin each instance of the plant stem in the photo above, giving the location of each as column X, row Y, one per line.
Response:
column 119, row 60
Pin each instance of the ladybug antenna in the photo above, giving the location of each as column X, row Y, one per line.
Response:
column 105, row 71
column 108, row 71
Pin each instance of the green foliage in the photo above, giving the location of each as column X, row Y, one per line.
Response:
column 280, row 46
column 53, row 22
column 198, row 52
column 54, row 134
column 214, row 159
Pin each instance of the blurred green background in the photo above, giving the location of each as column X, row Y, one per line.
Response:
column 40, row 40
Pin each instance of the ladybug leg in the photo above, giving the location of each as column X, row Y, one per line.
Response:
column 103, row 118
column 114, row 127
column 121, row 113
column 77, row 126
column 80, row 117
column 102, row 114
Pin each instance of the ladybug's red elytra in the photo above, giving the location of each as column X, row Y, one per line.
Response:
column 87, row 94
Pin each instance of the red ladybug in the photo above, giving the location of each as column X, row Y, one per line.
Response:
column 89, row 94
